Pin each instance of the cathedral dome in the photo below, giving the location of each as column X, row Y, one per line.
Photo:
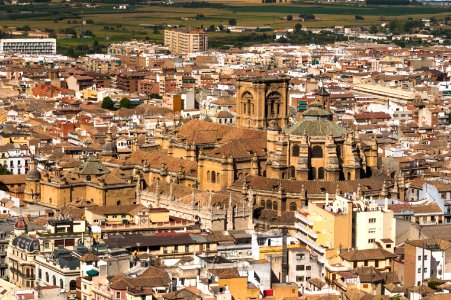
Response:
column 316, row 122
column 316, row 128
column 109, row 148
column 93, row 166
column 20, row 224
column 33, row 175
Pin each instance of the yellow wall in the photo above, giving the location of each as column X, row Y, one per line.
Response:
column 238, row 288
column 155, row 217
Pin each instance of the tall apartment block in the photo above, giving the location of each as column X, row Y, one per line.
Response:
column 186, row 40
column 28, row 46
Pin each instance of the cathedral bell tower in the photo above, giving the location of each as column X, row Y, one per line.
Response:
column 262, row 100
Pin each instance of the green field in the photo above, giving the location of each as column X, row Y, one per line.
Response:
column 110, row 25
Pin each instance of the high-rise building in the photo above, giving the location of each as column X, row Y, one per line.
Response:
column 186, row 40
column 28, row 46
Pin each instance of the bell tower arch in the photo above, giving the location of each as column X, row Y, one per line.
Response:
column 262, row 100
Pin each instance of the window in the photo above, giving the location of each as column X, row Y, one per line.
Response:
column 308, row 268
column 419, row 257
column 293, row 206
column 317, row 152
column 176, row 249
column 419, row 270
column 300, row 256
column 425, row 270
column 186, row 248
column 118, row 295
column 39, row 273
column 300, row 268
column 370, row 241
column 371, row 230
column 299, row 278
column 425, row 257
column 321, row 173
column 295, row 151
column 372, row 220
column 268, row 204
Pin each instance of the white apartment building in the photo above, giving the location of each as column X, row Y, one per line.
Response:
column 15, row 158
column 28, row 46
column 373, row 224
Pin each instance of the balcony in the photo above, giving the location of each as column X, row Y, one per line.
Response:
column 311, row 244
column 305, row 230
column 150, row 226
column 303, row 219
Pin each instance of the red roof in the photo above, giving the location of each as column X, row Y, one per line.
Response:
column 372, row 115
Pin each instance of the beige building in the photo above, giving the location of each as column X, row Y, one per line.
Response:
column 186, row 40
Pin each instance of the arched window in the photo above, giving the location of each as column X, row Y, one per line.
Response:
column 268, row 204
column 47, row 279
column 217, row 178
column 213, row 177
column 54, row 280
column 283, row 175
column 274, row 205
column 292, row 172
column 321, row 173
column 349, row 175
column 247, row 101
column 208, row 176
column 295, row 151
column 273, row 105
column 317, row 152
column 72, row 285
column 262, row 203
column 312, row 173
column 39, row 273
column 88, row 177
column 61, row 284
column 293, row 206
column 118, row 203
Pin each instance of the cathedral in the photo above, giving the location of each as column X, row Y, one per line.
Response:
column 215, row 174
column 313, row 148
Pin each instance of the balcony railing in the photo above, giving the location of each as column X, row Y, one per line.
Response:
column 305, row 230
column 303, row 219
column 159, row 225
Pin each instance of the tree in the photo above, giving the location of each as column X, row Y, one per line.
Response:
column 125, row 102
column 107, row 103
column 233, row 22
column 357, row 17
column 373, row 29
column 4, row 171
column 297, row 27
column 307, row 16
column 289, row 18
